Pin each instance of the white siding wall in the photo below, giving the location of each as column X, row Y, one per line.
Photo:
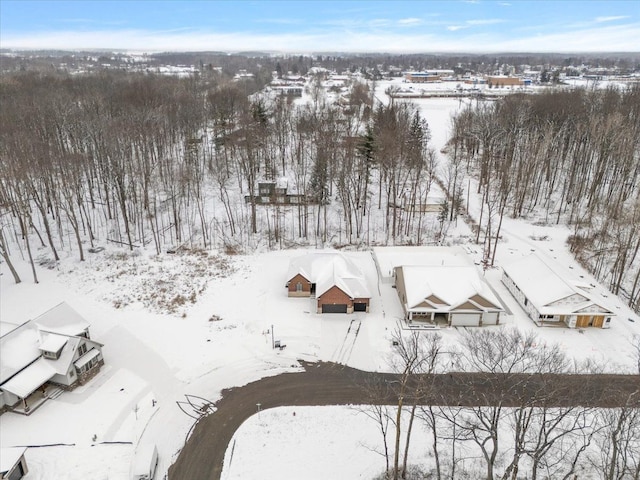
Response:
column 519, row 296
column 9, row 398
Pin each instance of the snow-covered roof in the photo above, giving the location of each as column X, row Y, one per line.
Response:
column 142, row 460
column 282, row 182
column 6, row 327
column 9, row 457
column 453, row 285
column 387, row 258
column 25, row 344
column 328, row 269
column 28, row 380
column 543, row 285
column 53, row 342
column 18, row 349
column 61, row 365
column 62, row 319
column 539, row 283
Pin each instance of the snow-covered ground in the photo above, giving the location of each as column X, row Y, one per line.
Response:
column 219, row 335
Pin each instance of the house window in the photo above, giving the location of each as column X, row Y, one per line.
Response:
column 298, row 287
column 82, row 349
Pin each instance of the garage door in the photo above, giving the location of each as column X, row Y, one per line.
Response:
column 490, row 318
column 465, row 319
column 359, row 307
column 339, row 308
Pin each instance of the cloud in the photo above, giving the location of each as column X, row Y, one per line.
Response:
column 409, row 22
column 474, row 23
column 599, row 38
column 611, row 18
column 486, row 21
column 504, row 4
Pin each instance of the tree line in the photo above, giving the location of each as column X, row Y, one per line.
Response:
column 140, row 159
column 568, row 156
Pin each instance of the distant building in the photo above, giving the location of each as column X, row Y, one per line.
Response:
column 288, row 90
column 275, row 193
column 504, row 81
column 427, row 76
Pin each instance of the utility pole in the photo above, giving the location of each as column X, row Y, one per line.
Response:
column 272, row 339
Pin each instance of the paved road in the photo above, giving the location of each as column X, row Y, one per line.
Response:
column 329, row 384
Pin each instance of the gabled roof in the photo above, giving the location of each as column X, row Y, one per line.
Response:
column 23, row 345
column 62, row 364
column 328, row 269
column 53, row 342
column 543, row 286
column 31, row 378
column 62, row 319
column 18, row 348
column 387, row 258
column 455, row 286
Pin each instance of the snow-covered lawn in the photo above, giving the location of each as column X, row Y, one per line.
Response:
column 219, row 335
column 151, row 356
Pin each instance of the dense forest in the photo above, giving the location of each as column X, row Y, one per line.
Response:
column 140, row 159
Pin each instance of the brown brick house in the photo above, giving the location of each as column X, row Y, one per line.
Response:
column 333, row 279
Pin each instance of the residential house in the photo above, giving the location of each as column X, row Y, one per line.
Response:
column 44, row 355
column 334, row 280
column 275, row 193
column 455, row 295
column 551, row 297
column 388, row 258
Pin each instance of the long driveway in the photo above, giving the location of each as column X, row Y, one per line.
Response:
column 329, row 384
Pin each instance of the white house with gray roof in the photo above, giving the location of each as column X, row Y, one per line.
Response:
column 42, row 355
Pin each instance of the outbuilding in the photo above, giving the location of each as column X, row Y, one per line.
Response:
column 13, row 465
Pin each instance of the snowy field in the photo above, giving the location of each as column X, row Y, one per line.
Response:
column 218, row 335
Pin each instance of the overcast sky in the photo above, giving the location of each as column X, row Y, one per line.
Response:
column 323, row 26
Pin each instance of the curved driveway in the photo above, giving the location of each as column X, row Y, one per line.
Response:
column 202, row 456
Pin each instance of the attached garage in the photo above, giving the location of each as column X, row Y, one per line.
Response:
column 490, row 318
column 359, row 307
column 465, row 319
column 334, row 308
